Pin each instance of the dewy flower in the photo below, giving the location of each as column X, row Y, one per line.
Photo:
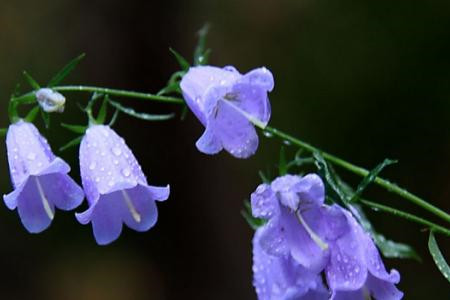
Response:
column 115, row 186
column 228, row 104
column 302, row 233
column 39, row 178
column 50, row 100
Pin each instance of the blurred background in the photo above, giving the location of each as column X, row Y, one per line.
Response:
column 364, row 80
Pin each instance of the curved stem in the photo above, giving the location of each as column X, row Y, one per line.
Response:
column 391, row 187
column 117, row 92
column 407, row 216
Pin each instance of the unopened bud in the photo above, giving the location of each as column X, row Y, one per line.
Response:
column 50, row 100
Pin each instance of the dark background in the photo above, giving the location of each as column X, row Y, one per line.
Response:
column 362, row 79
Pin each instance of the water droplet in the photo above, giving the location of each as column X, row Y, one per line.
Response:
column 15, row 150
column 116, row 162
column 97, row 179
column 126, row 172
column 102, row 169
column 111, row 183
column 116, row 151
column 286, row 142
column 31, row 156
column 267, row 134
column 92, row 165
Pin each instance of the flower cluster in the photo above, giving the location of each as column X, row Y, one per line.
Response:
column 114, row 184
column 305, row 239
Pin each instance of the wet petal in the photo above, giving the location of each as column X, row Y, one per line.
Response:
column 139, row 211
column 264, row 203
column 376, row 265
column 106, row 219
column 31, row 208
column 236, row 133
column 209, row 143
column 383, row 290
column 350, row 295
column 62, row 191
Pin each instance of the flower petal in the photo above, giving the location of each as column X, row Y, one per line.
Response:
column 159, row 193
column 349, row 295
column 141, row 213
column 62, row 190
column 209, row 143
column 106, row 219
column 311, row 190
column 375, row 264
column 198, row 80
column 237, row 134
column 264, row 203
column 381, row 289
column 31, row 208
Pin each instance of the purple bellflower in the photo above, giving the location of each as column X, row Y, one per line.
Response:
column 228, row 104
column 39, row 178
column 306, row 234
column 116, row 188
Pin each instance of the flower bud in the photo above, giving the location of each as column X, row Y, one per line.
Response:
column 50, row 100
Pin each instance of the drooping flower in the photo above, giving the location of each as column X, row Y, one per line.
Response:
column 116, row 188
column 319, row 238
column 50, row 100
column 39, row 178
column 228, row 104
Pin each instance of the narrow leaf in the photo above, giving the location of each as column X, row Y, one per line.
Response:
column 101, row 117
column 181, row 60
column 114, row 118
column 184, row 112
column 75, row 128
column 65, row 70
column 142, row 116
column 33, row 83
column 32, row 114
column 438, row 258
column 46, row 117
column 3, row 131
column 328, row 174
column 371, row 177
column 282, row 164
column 71, row 144
column 200, row 54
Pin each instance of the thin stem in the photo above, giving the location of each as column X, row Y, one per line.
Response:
column 117, row 92
column 408, row 216
column 391, row 187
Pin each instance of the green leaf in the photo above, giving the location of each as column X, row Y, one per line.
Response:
column 46, row 118
column 75, row 128
column 3, row 131
column 329, row 175
column 33, row 83
column 101, row 117
column 142, row 116
column 388, row 248
column 181, row 60
column 32, row 114
column 263, row 177
column 370, row 178
column 72, row 143
column 65, row 70
column 246, row 212
column 201, row 54
column 438, row 258
column 282, row 164
column 184, row 112
column 114, row 118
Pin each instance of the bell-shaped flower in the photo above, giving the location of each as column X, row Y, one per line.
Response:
column 355, row 269
column 228, row 104
column 280, row 277
column 39, row 178
column 116, row 188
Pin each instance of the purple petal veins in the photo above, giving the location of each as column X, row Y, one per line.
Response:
column 116, row 188
column 303, row 238
column 228, row 104
column 39, row 178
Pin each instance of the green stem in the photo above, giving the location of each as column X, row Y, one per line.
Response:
column 391, row 187
column 116, row 92
column 408, row 216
